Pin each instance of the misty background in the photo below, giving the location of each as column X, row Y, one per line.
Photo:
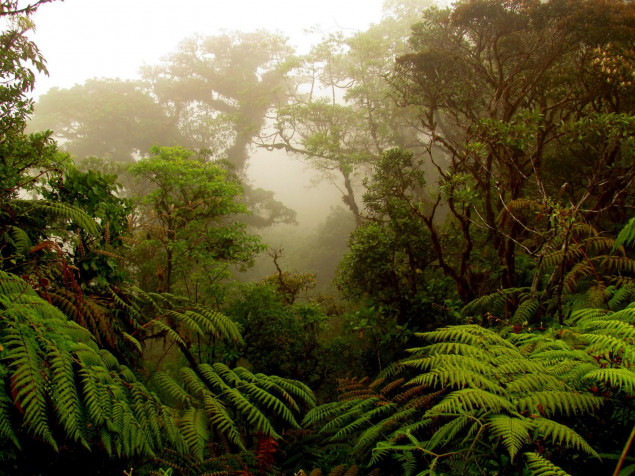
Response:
column 98, row 39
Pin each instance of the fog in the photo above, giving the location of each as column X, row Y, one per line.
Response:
column 84, row 39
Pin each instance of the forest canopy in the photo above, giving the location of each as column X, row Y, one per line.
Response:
column 469, row 309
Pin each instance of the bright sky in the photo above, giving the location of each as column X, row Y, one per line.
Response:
column 83, row 39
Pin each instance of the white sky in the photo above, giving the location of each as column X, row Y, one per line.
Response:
column 83, row 39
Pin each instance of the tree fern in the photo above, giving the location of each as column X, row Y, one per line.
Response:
column 61, row 380
column 232, row 403
column 516, row 391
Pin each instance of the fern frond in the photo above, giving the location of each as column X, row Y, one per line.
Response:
column 295, row 388
column 455, row 376
column 552, row 402
column 371, row 435
column 221, row 420
column 268, row 400
column 192, row 383
column 602, row 345
column 448, row 433
column 454, row 348
column 59, row 211
column 162, row 327
column 621, row 378
column 268, row 384
column 6, row 428
column 626, row 236
column 619, row 264
column 359, row 408
column 166, row 385
column 18, row 238
column 255, row 417
column 526, row 311
column 514, row 431
column 456, row 360
column 535, row 382
column 561, row 435
column 217, row 324
column 194, row 426
column 64, row 395
column 471, row 334
column 27, row 381
column 326, row 411
column 470, row 399
column 364, row 420
column 540, row 466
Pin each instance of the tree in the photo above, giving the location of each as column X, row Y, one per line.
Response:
column 345, row 118
column 225, row 83
column 505, row 92
column 210, row 96
column 189, row 223
column 391, row 250
column 70, row 323
column 112, row 119
column 19, row 57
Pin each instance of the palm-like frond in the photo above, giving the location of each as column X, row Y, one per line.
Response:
column 232, row 403
column 540, row 466
column 513, row 431
column 626, row 237
column 59, row 378
column 510, row 390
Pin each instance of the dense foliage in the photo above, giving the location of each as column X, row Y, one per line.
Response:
column 485, row 316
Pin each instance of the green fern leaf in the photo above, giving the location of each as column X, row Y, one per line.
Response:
column 195, row 427
column 363, row 421
column 621, row 378
column 555, row 402
column 166, row 385
column 221, row 420
column 561, row 435
column 514, row 432
column 626, row 236
column 451, row 376
column 539, row 466
column 448, row 433
column 64, row 394
column 28, row 383
column 468, row 400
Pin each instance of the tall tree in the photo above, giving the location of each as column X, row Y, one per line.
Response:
column 504, row 91
column 108, row 118
column 226, row 83
column 189, row 224
column 345, row 118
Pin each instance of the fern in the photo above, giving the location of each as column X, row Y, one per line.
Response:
column 57, row 211
column 539, row 466
column 513, row 431
column 620, row 378
column 60, row 378
column 231, row 403
column 561, row 435
column 470, row 400
column 626, row 237
column 512, row 391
